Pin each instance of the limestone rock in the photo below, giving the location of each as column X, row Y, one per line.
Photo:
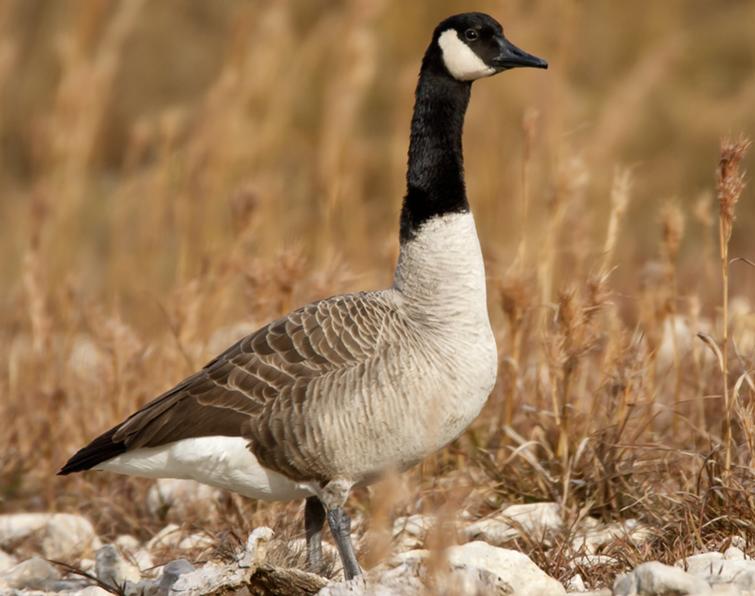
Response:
column 401, row 580
column 173, row 571
column 576, row 584
column 716, row 569
column 255, row 551
column 127, row 543
column 179, row 498
column 7, row 561
column 593, row 535
column 512, row 567
column 701, row 564
column 538, row 520
column 409, row 532
column 60, row 535
column 734, row 553
column 656, row 579
column 195, row 541
column 473, row 568
column 168, row 537
column 34, row 574
column 113, row 569
column 143, row 560
column 92, row 591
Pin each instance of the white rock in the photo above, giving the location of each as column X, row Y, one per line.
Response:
column 717, row 568
column 473, row 580
column 734, row 554
column 127, row 543
column 409, row 532
column 113, row 569
column 657, row 579
column 208, row 579
column 168, row 537
column 701, row 564
column 412, row 557
column 739, row 542
column 576, row 584
column 729, row 590
column 144, row 561
column 92, row 591
column 68, row 536
column 512, row 567
column 134, row 553
column 398, row 581
column 7, row 561
column 738, row 572
column 193, row 541
column 173, row 571
column 592, row 538
column 538, row 520
column 61, row 535
column 33, row 573
column 181, row 497
column 255, row 551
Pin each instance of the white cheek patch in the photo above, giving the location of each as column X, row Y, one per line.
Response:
column 460, row 60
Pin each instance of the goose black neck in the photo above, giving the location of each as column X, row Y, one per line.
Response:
column 435, row 175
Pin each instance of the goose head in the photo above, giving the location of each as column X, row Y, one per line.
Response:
column 472, row 45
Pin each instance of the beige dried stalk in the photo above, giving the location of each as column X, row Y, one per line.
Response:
column 529, row 127
column 672, row 225
column 620, row 192
column 515, row 290
column 729, row 186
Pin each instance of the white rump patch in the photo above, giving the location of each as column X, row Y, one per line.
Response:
column 224, row 462
column 460, row 59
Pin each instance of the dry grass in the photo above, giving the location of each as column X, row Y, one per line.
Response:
column 174, row 174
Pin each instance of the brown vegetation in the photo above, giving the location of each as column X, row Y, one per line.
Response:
column 175, row 173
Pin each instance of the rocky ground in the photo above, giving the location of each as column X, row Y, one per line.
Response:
column 56, row 553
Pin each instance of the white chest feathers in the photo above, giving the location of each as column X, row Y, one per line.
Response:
column 441, row 273
column 460, row 59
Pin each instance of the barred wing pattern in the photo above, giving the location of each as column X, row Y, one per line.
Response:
column 266, row 386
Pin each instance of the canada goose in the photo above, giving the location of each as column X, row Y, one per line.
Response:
column 343, row 389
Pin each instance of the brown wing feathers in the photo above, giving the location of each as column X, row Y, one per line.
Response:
column 252, row 388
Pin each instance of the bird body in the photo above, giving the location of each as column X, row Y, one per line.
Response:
column 339, row 391
column 410, row 375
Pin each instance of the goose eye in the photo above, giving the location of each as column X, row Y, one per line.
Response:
column 471, row 34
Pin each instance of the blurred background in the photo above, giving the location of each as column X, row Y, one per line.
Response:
column 136, row 138
column 175, row 173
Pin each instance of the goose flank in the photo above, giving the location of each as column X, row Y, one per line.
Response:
column 339, row 391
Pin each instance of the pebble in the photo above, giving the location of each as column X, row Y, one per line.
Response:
column 60, row 535
column 536, row 520
column 576, row 584
column 7, row 561
column 168, row 537
column 180, row 498
column 656, row 579
column 595, row 536
column 512, row 567
column 409, row 532
column 113, row 569
column 34, row 574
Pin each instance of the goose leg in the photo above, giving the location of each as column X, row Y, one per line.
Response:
column 340, row 527
column 314, row 518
